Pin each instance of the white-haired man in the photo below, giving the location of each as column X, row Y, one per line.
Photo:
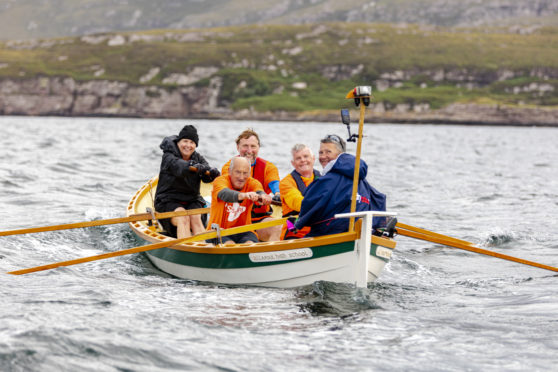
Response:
column 294, row 184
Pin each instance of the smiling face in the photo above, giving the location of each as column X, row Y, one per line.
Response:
column 248, row 148
column 239, row 172
column 303, row 162
column 328, row 152
column 186, row 148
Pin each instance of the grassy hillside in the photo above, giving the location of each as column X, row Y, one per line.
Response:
column 308, row 67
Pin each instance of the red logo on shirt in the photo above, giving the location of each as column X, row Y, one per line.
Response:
column 362, row 199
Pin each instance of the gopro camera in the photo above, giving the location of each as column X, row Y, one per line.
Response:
column 362, row 92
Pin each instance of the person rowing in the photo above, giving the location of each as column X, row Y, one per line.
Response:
column 233, row 197
column 179, row 187
column 248, row 146
column 294, row 184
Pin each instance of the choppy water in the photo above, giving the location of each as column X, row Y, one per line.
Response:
column 434, row 308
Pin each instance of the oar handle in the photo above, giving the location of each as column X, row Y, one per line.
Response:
column 273, row 202
column 194, row 169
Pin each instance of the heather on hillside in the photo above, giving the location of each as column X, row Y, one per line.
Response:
column 309, row 67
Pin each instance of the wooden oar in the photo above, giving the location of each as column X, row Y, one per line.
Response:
column 431, row 233
column 111, row 221
column 452, row 242
column 149, row 247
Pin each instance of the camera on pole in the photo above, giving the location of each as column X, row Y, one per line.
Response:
column 362, row 92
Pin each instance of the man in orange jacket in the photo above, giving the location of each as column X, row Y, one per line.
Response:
column 293, row 185
column 232, row 199
column 248, row 146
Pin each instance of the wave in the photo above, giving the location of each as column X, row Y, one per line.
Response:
column 334, row 299
column 487, row 198
column 498, row 239
column 9, row 184
column 492, row 282
column 503, row 238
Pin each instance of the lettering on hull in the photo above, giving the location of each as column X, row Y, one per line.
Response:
column 383, row 252
column 292, row 254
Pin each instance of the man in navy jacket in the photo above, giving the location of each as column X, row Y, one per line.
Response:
column 331, row 194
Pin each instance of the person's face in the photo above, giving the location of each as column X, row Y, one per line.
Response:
column 328, row 152
column 240, row 174
column 248, row 148
column 303, row 161
column 186, row 147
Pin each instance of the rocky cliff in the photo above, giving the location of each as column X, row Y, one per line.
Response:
column 67, row 97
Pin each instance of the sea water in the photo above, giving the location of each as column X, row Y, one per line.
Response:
column 433, row 309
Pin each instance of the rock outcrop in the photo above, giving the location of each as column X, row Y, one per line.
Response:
column 65, row 96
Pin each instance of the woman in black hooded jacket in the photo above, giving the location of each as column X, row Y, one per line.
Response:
column 179, row 186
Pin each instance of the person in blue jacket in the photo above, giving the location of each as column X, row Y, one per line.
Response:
column 331, row 194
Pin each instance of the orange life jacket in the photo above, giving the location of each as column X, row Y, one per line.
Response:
column 301, row 186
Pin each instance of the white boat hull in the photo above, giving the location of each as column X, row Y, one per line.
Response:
column 338, row 268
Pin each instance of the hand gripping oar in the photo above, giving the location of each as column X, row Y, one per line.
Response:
column 149, row 247
column 194, row 170
column 274, row 201
column 461, row 244
column 111, row 221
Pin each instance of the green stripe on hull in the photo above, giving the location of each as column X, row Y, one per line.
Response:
column 240, row 261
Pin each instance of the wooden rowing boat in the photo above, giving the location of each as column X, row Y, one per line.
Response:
column 281, row 264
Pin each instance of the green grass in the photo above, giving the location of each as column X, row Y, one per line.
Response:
column 244, row 55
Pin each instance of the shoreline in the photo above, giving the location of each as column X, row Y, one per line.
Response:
column 370, row 119
column 455, row 114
